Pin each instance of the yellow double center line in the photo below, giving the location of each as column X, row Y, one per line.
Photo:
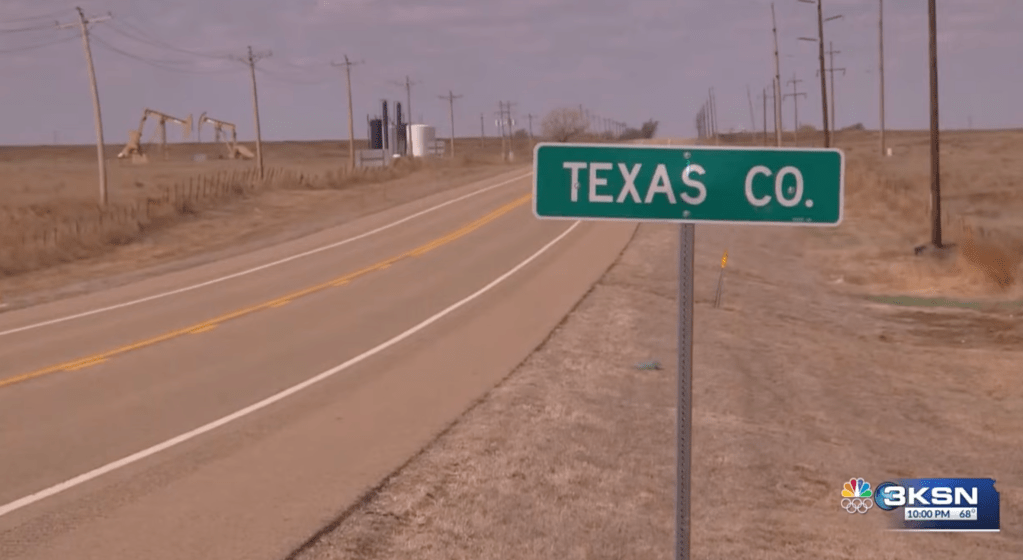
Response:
column 212, row 323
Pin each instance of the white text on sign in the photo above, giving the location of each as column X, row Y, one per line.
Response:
column 695, row 193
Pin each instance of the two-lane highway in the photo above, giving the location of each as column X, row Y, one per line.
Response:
column 234, row 420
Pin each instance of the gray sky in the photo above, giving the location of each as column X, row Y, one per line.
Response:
column 629, row 61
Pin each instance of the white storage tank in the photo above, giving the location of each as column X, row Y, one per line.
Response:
column 422, row 137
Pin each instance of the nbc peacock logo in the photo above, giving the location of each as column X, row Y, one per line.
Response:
column 856, row 496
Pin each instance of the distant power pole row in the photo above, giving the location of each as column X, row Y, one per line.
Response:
column 603, row 125
column 706, row 118
column 83, row 25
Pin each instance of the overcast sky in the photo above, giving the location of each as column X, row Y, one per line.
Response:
column 627, row 60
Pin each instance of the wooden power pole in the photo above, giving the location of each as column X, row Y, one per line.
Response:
column 251, row 59
column 752, row 115
column 795, row 95
column 824, row 83
column 880, row 67
column 935, row 148
column 763, row 97
column 777, row 82
column 451, row 97
column 831, row 57
column 83, row 24
column 407, row 84
column 351, row 123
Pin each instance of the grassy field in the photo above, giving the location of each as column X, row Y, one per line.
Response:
column 53, row 232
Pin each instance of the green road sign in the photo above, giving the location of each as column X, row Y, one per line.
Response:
column 689, row 184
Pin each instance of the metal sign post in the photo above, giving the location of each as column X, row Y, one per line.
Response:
column 688, row 185
column 687, row 249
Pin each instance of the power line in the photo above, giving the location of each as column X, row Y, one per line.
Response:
column 50, row 16
column 25, row 29
column 290, row 80
column 38, row 45
column 161, row 64
column 140, row 36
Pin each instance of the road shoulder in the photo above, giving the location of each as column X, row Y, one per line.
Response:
column 797, row 387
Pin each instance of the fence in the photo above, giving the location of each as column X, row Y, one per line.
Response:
column 120, row 221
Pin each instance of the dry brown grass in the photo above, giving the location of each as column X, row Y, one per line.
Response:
column 888, row 213
column 52, row 231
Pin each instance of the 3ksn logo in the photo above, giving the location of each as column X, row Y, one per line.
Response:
column 928, row 504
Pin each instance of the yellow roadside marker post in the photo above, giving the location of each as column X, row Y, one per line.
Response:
column 721, row 279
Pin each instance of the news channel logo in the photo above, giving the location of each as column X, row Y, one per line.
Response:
column 928, row 504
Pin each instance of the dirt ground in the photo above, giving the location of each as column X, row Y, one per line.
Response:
column 801, row 382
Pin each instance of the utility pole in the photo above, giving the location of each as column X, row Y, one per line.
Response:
column 351, row 124
column 407, row 84
column 251, row 60
column 763, row 97
column 824, row 83
column 831, row 54
column 500, row 128
column 823, row 70
column 505, row 123
column 713, row 115
column 795, row 95
column 530, row 117
column 935, row 148
column 752, row 115
column 880, row 67
column 483, row 133
column 83, row 24
column 709, row 116
column 451, row 97
column 777, row 82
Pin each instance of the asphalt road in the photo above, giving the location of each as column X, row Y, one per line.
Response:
column 235, row 419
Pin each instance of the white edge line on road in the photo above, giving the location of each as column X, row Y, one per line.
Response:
column 134, row 458
column 260, row 267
